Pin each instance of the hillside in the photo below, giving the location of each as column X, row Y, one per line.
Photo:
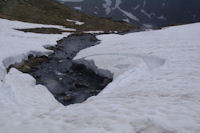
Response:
column 52, row 12
column 143, row 12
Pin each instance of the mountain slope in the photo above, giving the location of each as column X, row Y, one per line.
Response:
column 144, row 12
column 52, row 12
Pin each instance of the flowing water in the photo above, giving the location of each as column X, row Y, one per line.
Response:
column 68, row 81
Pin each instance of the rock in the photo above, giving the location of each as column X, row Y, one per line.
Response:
column 67, row 98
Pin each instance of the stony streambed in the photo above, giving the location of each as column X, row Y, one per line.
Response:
column 68, row 81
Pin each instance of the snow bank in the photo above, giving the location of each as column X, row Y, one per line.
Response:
column 156, row 78
column 155, row 88
column 31, row 95
column 91, row 66
column 16, row 45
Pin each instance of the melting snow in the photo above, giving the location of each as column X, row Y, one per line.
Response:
column 155, row 87
column 156, row 84
column 16, row 45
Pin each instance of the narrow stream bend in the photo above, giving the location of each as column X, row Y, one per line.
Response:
column 68, row 81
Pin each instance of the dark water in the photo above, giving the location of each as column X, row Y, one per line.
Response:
column 69, row 82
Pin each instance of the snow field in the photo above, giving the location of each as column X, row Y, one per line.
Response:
column 156, row 77
column 155, row 89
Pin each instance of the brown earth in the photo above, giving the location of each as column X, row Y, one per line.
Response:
column 52, row 12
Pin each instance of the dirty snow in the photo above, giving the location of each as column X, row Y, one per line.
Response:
column 155, row 87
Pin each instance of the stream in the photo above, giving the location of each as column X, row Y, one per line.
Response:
column 68, row 81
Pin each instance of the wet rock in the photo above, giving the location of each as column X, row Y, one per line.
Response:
column 67, row 98
column 94, row 91
column 81, row 85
